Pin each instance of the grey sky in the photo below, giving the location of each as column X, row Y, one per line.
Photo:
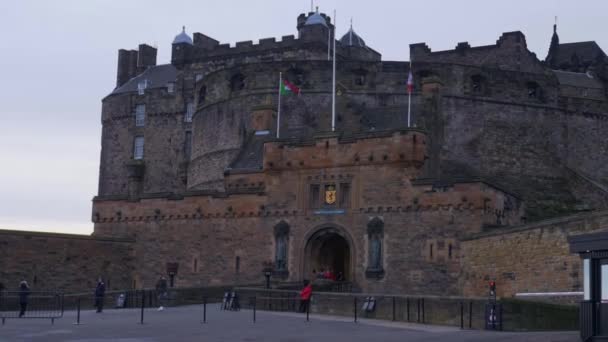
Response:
column 58, row 60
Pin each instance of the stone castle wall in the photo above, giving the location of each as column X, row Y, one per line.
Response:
column 64, row 262
column 530, row 258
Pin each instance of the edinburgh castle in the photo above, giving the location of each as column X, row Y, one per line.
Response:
column 504, row 159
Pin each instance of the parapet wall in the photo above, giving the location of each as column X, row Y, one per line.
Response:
column 529, row 258
column 65, row 262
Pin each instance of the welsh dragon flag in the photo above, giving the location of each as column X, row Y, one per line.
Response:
column 288, row 88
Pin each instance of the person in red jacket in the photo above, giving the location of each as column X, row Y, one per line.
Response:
column 305, row 296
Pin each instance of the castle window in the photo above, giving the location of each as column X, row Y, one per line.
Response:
column 237, row 264
column 344, row 195
column 202, row 95
column 189, row 112
column 141, row 87
column 314, row 196
column 195, row 266
column 140, row 115
column 450, row 251
column 533, row 90
column 476, row 83
column 170, row 87
column 281, row 234
column 188, row 144
column 431, row 251
column 138, row 148
column 237, row 82
column 375, row 234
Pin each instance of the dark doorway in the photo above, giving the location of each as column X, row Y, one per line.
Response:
column 328, row 249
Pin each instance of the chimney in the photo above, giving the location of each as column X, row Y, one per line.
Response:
column 146, row 57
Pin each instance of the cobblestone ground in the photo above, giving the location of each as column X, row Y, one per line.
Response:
column 184, row 324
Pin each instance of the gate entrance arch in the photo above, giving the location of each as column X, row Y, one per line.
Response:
column 329, row 248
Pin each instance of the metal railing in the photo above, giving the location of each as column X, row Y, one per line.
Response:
column 466, row 313
column 454, row 311
column 34, row 304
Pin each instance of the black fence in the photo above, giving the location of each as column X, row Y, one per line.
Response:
column 34, row 304
column 465, row 313
column 453, row 311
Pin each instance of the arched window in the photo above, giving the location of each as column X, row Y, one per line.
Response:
column 533, row 90
column 237, row 82
column 281, row 235
column 296, row 76
column 477, row 84
column 375, row 234
column 202, row 95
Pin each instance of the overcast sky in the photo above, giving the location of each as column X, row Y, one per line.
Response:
column 58, row 60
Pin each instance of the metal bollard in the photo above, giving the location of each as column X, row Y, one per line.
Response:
column 254, row 303
column 204, row 310
column 423, row 310
column 461, row 315
column 394, row 318
column 408, row 308
column 308, row 311
column 143, row 304
column 418, row 311
column 470, row 315
column 355, row 309
column 77, row 312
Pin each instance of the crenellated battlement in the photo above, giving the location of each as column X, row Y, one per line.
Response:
column 500, row 55
column 407, row 147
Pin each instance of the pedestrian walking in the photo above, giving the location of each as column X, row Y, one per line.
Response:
column 24, row 292
column 305, row 296
column 100, row 292
column 161, row 291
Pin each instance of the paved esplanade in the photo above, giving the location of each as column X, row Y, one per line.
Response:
column 183, row 324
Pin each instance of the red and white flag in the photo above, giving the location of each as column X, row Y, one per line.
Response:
column 410, row 83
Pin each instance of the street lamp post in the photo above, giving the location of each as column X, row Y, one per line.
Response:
column 267, row 271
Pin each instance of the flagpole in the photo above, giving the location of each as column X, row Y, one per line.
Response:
column 333, row 92
column 329, row 42
column 409, row 98
column 279, row 107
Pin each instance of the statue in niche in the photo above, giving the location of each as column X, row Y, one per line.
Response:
column 375, row 253
column 281, row 259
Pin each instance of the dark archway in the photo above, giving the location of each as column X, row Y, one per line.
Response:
column 328, row 248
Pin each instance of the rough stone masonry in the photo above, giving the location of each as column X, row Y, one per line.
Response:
column 193, row 176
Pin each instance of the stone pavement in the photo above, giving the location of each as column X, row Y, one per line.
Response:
column 184, row 324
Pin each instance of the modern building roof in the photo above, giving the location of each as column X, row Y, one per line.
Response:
column 578, row 79
column 155, row 77
column 183, row 37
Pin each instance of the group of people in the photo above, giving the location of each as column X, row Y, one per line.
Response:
column 161, row 290
column 328, row 274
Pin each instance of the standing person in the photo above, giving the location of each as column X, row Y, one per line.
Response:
column 24, row 292
column 100, row 292
column 161, row 291
column 1, row 294
column 305, row 296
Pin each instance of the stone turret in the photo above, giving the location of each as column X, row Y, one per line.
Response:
column 181, row 48
column 314, row 27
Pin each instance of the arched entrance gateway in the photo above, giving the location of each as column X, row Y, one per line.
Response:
column 329, row 247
